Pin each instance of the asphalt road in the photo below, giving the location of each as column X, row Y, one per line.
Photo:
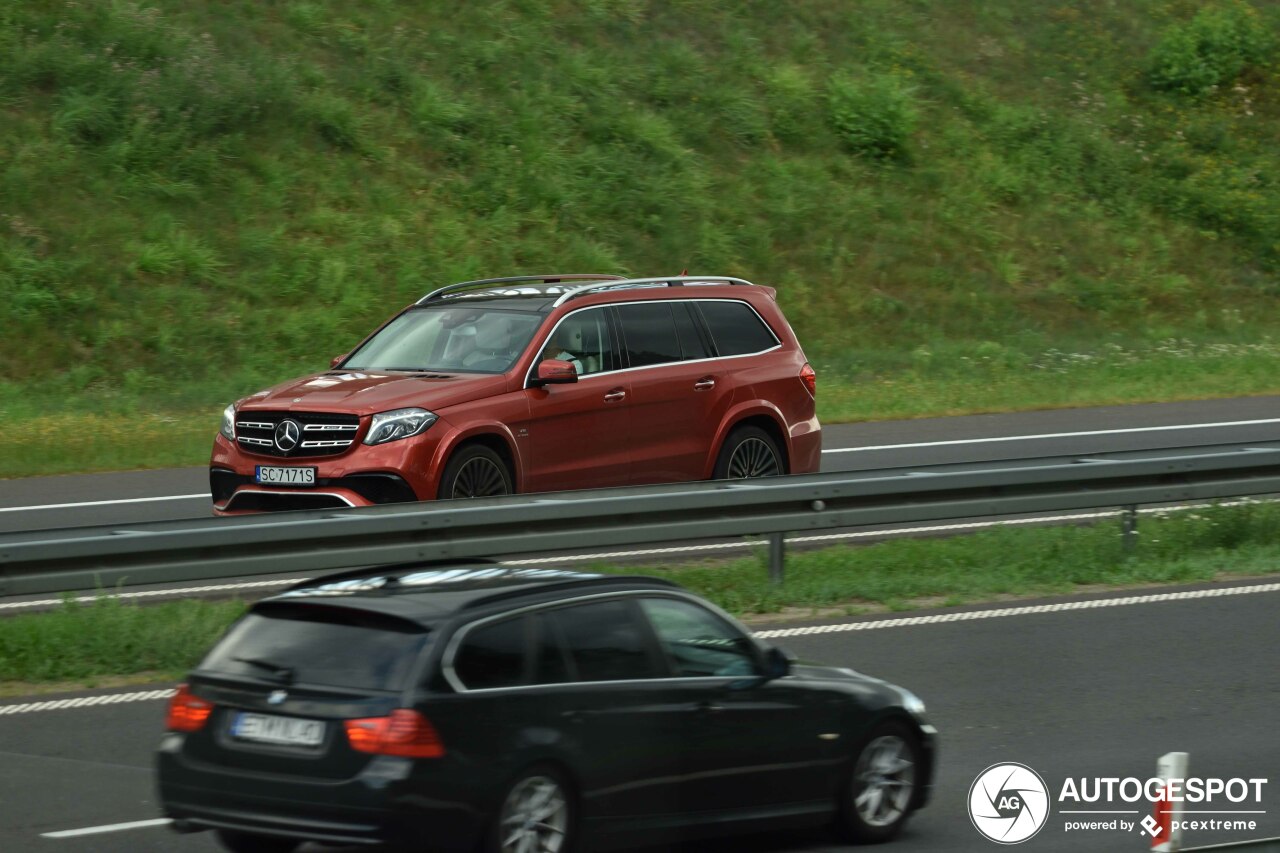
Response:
column 78, row 500
column 1076, row 692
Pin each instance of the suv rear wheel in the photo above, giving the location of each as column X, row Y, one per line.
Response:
column 748, row 452
column 475, row 471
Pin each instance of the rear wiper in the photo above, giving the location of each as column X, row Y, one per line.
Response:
column 285, row 672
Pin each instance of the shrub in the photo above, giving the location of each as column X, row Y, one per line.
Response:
column 874, row 115
column 1211, row 49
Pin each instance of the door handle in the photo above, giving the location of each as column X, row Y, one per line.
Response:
column 615, row 396
column 706, row 383
column 709, row 708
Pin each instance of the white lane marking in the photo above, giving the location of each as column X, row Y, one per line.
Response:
column 85, row 701
column 110, row 827
column 1001, row 612
column 151, row 593
column 900, row 622
column 206, row 496
column 1048, row 435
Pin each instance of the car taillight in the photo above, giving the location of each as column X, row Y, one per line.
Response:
column 405, row 733
column 187, row 713
column 810, row 379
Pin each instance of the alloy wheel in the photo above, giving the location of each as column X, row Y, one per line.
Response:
column 753, row 458
column 883, row 781
column 535, row 817
column 480, row 478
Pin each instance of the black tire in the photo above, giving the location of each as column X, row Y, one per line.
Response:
column 879, row 793
column 748, row 452
column 539, row 801
column 475, row 471
column 247, row 842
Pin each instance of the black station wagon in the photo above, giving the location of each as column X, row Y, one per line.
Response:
column 481, row 707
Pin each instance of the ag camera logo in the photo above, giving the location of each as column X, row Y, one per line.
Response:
column 1008, row 803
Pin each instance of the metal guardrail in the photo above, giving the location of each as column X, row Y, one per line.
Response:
column 204, row 549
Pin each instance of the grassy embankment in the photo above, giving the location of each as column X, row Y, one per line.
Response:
column 965, row 206
column 110, row 642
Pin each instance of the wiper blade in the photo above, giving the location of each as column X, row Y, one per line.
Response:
column 285, row 672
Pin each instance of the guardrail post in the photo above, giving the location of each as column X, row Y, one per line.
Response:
column 777, row 551
column 1129, row 528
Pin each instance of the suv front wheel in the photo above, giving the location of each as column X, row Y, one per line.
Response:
column 748, row 452
column 474, row 471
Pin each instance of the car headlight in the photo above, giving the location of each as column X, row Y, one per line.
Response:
column 228, row 429
column 398, row 424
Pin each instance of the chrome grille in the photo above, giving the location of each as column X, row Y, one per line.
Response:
column 320, row 433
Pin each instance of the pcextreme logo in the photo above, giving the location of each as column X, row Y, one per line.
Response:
column 1008, row 803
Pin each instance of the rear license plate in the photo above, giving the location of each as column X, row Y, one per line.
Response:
column 269, row 728
column 276, row 476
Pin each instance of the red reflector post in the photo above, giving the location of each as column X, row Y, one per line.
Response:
column 187, row 713
column 405, row 733
column 810, row 379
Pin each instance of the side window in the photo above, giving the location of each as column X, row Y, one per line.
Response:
column 551, row 664
column 691, row 343
column 605, row 641
column 736, row 328
column 493, row 655
column 698, row 642
column 650, row 333
column 584, row 340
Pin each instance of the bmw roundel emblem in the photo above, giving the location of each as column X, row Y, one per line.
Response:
column 287, row 435
column 277, row 697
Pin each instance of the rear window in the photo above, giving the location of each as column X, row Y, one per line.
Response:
column 736, row 328
column 325, row 646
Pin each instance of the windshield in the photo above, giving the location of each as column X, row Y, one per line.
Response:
column 469, row 338
column 320, row 646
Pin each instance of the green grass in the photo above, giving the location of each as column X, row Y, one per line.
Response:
column 109, row 638
column 198, row 199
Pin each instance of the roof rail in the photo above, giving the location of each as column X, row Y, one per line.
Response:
column 662, row 281
column 541, row 279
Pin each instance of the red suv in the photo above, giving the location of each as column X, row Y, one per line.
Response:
column 528, row 384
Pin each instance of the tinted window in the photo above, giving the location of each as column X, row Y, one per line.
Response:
column 650, row 333
column 691, row 343
column 492, row 655
column 552, row 663
column 584, row 339
column 697, row 641
column 605, row 641
column 319, row 645
column 736, row 328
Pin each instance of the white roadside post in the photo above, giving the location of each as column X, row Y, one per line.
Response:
column 1166, row 834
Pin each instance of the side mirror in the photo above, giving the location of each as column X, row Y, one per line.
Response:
column 554, row 372
column 777, row 663
column 337, row 359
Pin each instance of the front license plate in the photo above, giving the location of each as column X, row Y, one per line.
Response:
column 270, row 728
column 276, row 476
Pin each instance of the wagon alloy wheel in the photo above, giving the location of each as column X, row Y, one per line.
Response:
column 880, row 792
column 475, row 472
column 534, row 818
column 753, row 458
column 884, row 780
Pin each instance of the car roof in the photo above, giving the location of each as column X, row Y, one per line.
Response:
column 427, row 593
